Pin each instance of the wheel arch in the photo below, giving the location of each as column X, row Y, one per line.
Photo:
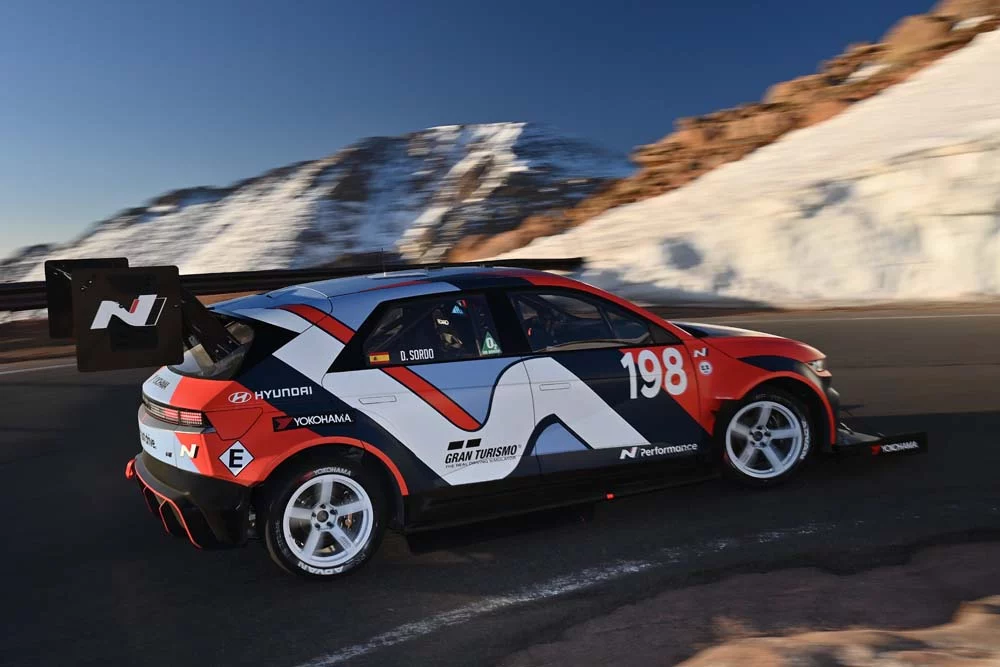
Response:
column 369, row 456
column 819, row 409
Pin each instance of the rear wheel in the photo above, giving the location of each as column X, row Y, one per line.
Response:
column 766, row 438
column 325, row 520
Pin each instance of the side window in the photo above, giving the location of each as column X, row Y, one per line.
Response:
column 448, row 328
column 558, row 321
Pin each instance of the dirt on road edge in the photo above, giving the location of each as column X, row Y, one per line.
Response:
column 804, row 616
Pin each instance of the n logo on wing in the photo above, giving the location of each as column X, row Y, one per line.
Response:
column 144, row 312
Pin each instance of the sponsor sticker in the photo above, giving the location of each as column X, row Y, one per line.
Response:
column 240, row 397
column 157, row 381
column 463, row 453
column 489, row 345
column 378, row 358
column 705, row 368
column 657, row 450
column 305, row 421
column 897, row 447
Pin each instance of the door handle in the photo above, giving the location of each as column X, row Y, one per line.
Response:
column 553, row 386
column 371, row 400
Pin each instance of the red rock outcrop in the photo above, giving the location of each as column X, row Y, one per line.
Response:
column 703, row 143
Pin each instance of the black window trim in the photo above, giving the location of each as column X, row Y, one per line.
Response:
column 660, row 336
column 352, row 357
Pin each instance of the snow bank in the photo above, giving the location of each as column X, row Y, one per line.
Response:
column 898, row 198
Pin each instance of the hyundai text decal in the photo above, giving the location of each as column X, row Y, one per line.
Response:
column 656, row 450
column 239, row 397
column 468, row 452
column 305, row 421
column 144, row 312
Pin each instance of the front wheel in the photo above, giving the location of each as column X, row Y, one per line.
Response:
column 766, row 438
column 325, row 520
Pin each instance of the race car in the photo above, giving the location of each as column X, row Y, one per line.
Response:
column 318, row 416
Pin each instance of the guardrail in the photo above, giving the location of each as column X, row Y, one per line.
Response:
column 31, row 295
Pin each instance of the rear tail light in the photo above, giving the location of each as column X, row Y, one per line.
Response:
column 171, row 415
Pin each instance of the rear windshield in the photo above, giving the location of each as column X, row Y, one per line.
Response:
column 198, row 364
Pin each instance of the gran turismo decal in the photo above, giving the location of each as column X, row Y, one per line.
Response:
column 467, row 452
column 305, row 421
column 144, row 312
column 236, row 458
column 668, row 375
column 657, row 450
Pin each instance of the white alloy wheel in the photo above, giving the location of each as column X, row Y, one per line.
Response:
column 328, row 520
column 764, row 440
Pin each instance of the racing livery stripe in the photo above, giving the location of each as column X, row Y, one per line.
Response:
column 327, row 323
column 434, row 397
column 437, row 399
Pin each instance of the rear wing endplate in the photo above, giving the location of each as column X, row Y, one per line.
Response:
column 122, row 317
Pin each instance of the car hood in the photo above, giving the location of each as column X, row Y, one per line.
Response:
column 742, row 343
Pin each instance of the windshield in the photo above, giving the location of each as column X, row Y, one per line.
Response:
column 198, row 364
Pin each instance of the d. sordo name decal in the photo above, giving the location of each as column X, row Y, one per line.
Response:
column 657, row 450
column 305, row 421
column 238, row 397
column 468, row 452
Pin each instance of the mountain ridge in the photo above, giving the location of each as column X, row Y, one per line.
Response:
column 412, row 196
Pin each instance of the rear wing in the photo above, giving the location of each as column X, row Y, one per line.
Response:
column 122, row 317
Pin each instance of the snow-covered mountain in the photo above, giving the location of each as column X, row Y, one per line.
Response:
column 415, row 195
column 896, row 198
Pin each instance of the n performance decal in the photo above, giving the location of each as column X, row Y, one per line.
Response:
column 656, row 450
column 144, row 312
column 306, row 421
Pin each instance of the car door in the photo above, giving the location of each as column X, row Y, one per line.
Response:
column 438, row 378
column 609, row 388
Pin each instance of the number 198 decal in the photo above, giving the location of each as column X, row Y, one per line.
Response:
column 669, row 375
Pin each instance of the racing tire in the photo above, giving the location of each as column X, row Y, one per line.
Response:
column 766, row 438
column 326, row 518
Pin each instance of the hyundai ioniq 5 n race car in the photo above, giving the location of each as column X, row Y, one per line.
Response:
column 318, row 416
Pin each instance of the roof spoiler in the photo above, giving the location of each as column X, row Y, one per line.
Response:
column 123, row 317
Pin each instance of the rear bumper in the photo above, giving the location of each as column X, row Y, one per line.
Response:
column 853, row 442
column 209, row 512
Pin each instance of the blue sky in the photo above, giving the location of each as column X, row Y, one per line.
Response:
column 105, row 104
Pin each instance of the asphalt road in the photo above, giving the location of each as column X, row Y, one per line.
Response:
column 89, row 578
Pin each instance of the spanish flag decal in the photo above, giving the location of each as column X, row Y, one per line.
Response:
column 378, row 358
